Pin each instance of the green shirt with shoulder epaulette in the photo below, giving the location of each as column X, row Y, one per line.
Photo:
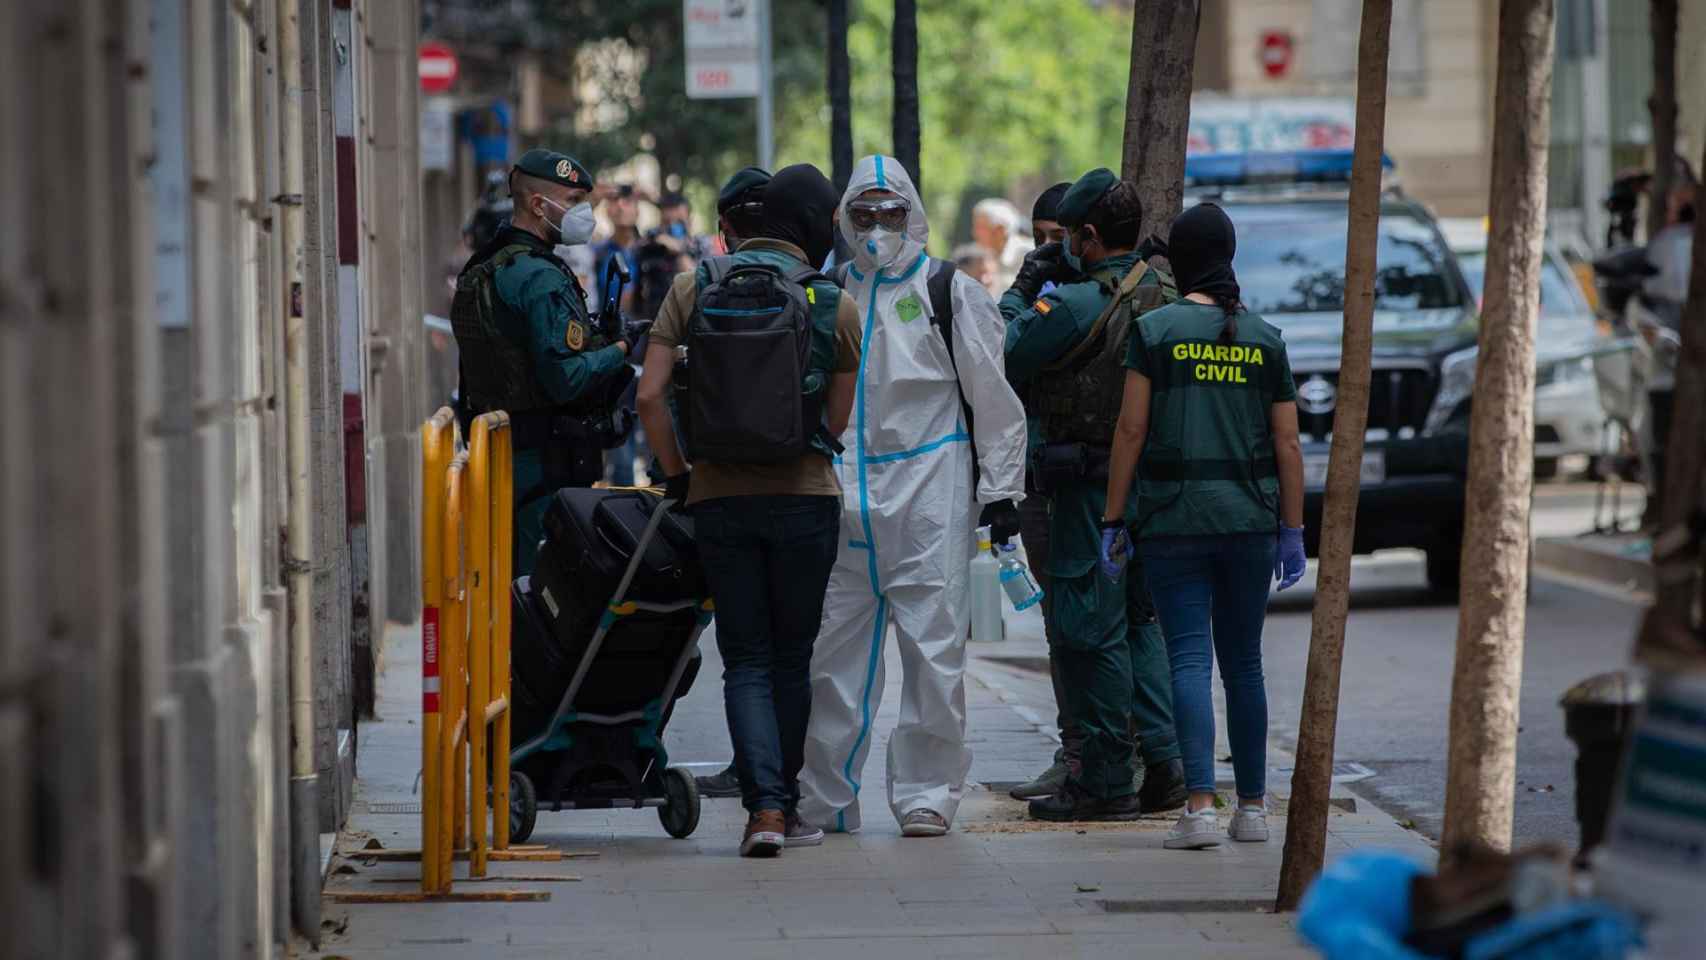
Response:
column 548, row 316
column 1208, row 466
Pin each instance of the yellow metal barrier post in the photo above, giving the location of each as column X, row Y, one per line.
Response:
column 479, row 517
column 437, row 441
column 503, row 542
column 453, row 657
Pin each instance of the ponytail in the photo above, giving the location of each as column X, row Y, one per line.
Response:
column 1230, row 306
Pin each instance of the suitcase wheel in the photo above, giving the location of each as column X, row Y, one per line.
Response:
column 523, row 807
column 680, row 812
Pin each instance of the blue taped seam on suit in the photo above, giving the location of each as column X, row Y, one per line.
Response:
column 864, row 707
column 959, row 437
column 881, row 180
column 858, row 545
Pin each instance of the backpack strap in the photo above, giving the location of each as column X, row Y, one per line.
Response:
column 1122, row 294
column 939, row 284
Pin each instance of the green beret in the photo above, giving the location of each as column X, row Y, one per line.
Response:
column 555, row 167
column 1081, row 196
column 742, row 183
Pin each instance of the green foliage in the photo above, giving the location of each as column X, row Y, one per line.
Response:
column 1008, row 91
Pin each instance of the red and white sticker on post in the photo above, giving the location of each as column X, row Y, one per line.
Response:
column 429, row 659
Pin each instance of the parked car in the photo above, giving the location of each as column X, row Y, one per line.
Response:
column 1568, row 418
column 1291, row 270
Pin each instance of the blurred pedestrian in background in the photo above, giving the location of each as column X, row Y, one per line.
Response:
column 1064, row 348
column 938, row 433
column 997, row 227
column 1208, row 425
column 977, row 263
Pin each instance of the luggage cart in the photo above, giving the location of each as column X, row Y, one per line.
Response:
column 590, row 761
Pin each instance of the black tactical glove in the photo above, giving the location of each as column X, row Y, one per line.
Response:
column 1041, row 265
column 675, row 488
column 1002, row 519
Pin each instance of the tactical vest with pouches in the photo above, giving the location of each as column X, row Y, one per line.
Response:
column 761, row 347
column 1079, row 395
column 497, row 373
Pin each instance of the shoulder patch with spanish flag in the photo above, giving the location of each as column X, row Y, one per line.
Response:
column 1042, row 306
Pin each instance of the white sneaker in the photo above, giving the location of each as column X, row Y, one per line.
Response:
column 1194, row 831
column 1249, row 824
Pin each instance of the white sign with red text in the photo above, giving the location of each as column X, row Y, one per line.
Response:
column 721, row 39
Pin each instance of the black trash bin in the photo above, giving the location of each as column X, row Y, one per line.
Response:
column 1598, row 713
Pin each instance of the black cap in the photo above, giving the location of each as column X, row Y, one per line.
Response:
column 555, row 167
column 672, row 198
column 1047, row 206
column 746, row 186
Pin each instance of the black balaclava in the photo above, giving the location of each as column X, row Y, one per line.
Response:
column 1048, row 202
column 1200, row 248
column 799, row 207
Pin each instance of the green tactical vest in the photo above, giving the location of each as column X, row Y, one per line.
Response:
column 497, row 373
column 1208, row 461
column 1078, row 396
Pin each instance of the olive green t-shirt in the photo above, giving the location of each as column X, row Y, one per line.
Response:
column 811, row 474
column 1208, row 461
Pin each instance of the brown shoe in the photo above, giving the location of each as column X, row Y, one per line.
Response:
column 766, row 832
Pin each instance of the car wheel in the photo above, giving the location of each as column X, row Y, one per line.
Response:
column 1445, row 569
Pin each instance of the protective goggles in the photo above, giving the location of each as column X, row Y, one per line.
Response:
column 891, row 214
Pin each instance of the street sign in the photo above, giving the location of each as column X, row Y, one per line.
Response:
column 438, row 68
column 1276, row 52
column 438, row 144
column 722, row 40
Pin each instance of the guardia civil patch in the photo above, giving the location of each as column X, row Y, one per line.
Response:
column 1042, row 306
column 909, row 309
column 577, row 335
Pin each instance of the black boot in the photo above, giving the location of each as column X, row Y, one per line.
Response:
column 1072, row 803
column 1163, row 787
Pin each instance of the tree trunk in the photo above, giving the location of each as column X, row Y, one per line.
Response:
column 1661, row 104
column 1158, row 107
column 1671, row 638
column 840, row 97
column 1317, row 727
column 906, row 133
column 1481, row 767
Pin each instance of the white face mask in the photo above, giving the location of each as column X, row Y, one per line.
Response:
column 577, row 222
column 881, row 245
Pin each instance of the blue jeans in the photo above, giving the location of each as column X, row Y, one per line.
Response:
column 1220, row 582
column 767, row 561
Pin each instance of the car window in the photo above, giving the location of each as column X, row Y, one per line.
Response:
column 1291, row 259
column 1555, row 283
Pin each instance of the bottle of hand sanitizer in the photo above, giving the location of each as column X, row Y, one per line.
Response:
column 1017, row 581
column 985, row 593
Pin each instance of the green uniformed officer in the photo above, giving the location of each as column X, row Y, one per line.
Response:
column 528, row 346
column 1065, row 349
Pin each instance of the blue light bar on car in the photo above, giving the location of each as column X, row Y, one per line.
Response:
column 1292, row 166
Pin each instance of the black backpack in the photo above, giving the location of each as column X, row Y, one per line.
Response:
column 757, row 386
column 939, row 283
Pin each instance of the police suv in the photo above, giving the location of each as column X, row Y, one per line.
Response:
column 1291, row 212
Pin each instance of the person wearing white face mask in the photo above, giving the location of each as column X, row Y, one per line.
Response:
column 527, row 344
column 936, row 432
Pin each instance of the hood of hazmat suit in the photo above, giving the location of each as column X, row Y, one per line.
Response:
column 909, row 509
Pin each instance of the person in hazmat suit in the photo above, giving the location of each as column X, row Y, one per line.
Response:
column 1065, row 349
column 936, row 432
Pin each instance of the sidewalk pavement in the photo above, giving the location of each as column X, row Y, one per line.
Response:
column 997, row 886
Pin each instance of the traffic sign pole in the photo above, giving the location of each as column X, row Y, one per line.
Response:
column 766, row 133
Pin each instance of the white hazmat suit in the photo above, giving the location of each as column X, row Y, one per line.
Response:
column 908, row 512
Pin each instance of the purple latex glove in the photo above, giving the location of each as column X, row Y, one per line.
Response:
column 1289, row 561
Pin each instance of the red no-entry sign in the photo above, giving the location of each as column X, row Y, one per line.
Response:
column 1276, row 52
column 437, row 67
